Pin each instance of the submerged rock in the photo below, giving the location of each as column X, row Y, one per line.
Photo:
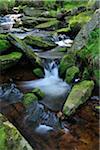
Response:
column 67, row 61
column 78, row 95
column 71, row 73
column 38, row 72
column 7, row 61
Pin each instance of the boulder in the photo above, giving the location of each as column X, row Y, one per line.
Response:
column 50, row 25
column 78, row 95
column 71, row 74
column 83, row 36
column 67, row 61
column 40, row 94
column 29, row 98
column 24, row 48
column 7, row 61
column 31, row 11
column 10, row 137
column 38, row 72
column 39, row 42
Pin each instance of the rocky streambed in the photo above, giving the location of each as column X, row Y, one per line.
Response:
column 49, row 79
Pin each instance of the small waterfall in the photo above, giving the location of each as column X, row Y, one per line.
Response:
column 55, row 88
column 63, row 40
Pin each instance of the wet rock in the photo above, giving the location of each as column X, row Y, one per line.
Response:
column 78, row 95
column 10, row 94
column 39, row 42
column 7, row 61
column 33, row 21
column 38, row 72
column 83, row 36
column 29, row 98
column 50, row 25
column 4, row 45
column 67, row 61
column 40, row 94
column 31, row 11
column 23, row 46
column 71, row 74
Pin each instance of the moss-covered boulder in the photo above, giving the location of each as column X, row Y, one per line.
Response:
column 50, row 25
column 10, row 138
column 31, row 11
column 71, row 73
column 97, row 76
column 40, row 94
column 29, row 98
column 24, row 48
column 78, row 95
column 4, row 45
column 38, row 72
column 9, row 60
column 67, row 61
column 39, row 42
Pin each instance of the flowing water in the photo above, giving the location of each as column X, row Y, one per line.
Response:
column 55, row 89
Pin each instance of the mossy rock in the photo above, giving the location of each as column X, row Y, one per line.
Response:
column 29, row 98
column 71, row 73
column 67, row 61
column 38, row 72
column 7, row 61
column 4, row 45
column 10, row 138
column 18, row 43
column 39, row 42
column 81, row 19
column 48, row 25
column 78, row 95
column 63, row 30
column 38, row 93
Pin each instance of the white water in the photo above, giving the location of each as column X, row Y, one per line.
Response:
column 63, row 41
column 55, row 88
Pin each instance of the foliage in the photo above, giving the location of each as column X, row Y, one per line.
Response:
column 6, row 4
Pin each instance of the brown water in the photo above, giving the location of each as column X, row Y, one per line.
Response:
column 83, row 127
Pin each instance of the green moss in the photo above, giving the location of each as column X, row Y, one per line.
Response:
column 71, row 73
column 79, row 94
column 2, row 138
column 86, row 74
column 4, row 45
column 81, row 19
column 38, row 72
column 29, row 98
column 9, row 60
column 66, row 62
column 49, row 24
column 39, row 42
column 38, row 93
column 63, row 30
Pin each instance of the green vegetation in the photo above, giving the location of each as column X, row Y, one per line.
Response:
column 4, row 45
column 6, row 5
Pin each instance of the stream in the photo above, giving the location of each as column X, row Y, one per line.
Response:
column 42, row 123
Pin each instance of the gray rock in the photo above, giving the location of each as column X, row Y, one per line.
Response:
column 82, row 37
